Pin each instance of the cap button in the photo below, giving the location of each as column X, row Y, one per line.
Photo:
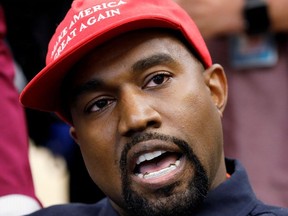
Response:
column 78, row 5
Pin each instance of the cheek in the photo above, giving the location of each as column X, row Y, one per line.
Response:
column 99, row 154
column 190, row 108
column 200, row 124
column 207, row 135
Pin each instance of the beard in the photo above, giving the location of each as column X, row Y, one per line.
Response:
column 169, row 202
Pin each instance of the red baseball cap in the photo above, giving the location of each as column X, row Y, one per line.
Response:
column 89, row 23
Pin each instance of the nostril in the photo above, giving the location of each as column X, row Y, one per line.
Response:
column 150, row 124
column 155, row 124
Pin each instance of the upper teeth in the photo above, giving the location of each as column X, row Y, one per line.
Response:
column 149, row 156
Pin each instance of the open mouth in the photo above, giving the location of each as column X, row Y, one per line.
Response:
column 156, row 164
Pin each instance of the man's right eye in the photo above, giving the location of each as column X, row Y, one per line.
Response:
column 99, row 105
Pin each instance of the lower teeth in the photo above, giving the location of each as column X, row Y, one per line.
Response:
column 160, row 172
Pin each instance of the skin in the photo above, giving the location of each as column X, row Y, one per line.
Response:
column 228, row 16
column 126, row 101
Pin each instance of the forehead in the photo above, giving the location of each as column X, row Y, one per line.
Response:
column 133, row 46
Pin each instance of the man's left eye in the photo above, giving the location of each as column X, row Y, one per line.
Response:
column 158, row 80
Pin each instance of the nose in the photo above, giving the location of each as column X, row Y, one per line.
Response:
column 137, row 113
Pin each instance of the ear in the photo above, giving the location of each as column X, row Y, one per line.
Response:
column 216, row 81
column 73, row 134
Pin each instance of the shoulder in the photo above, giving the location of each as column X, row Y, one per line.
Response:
column 268, row 210
column 100, row 208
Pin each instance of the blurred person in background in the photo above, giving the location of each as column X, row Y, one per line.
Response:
column 29, row 31
column 16, row 183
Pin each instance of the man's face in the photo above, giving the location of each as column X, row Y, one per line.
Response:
column 147, row 118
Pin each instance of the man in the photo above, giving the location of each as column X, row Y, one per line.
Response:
column 135, row 81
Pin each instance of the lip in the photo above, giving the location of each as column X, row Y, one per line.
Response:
column 166, row 179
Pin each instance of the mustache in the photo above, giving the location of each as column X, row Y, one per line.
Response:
column 145, row 137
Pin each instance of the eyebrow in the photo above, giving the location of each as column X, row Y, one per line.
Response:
column 151, row 61
column 88, row 86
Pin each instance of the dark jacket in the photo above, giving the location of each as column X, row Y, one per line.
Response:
column 234, row 197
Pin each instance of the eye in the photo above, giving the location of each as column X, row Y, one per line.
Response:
column 99, row 105
column 158, row 79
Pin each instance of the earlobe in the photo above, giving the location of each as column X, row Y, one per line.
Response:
column 73, row 134
column 216, row 81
